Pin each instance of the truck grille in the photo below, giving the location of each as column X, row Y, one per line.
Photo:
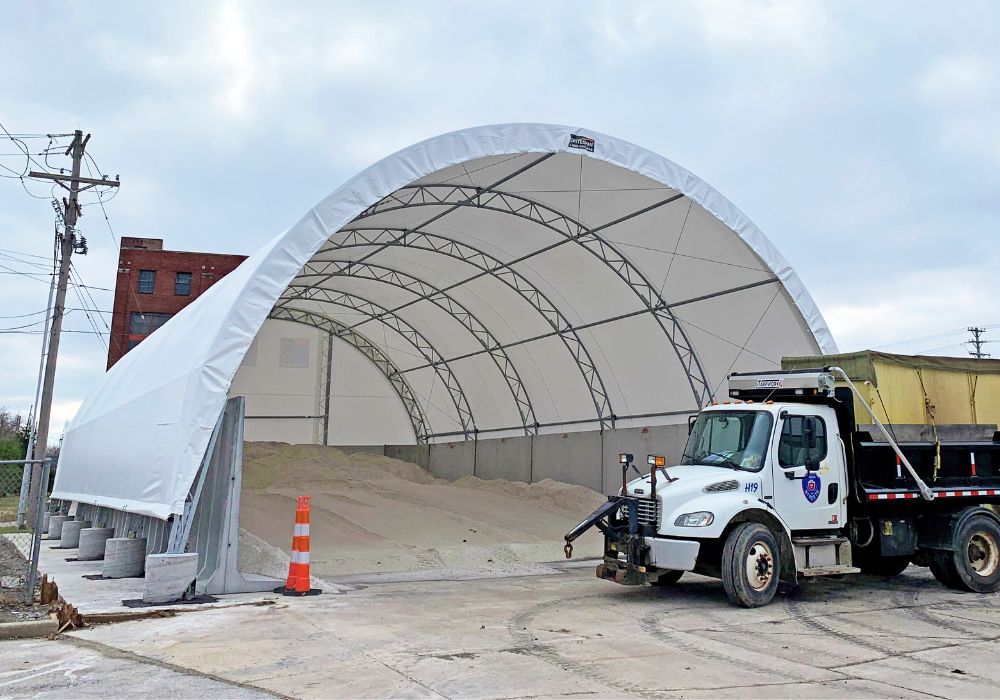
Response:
column 648, row 512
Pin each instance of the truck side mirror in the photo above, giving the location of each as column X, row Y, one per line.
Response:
column 691, row 420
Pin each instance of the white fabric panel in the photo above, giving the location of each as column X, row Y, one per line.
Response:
column 357, row 393
column 138, row 439
column 644, row 366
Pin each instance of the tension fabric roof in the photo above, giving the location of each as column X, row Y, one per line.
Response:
column 531, row 278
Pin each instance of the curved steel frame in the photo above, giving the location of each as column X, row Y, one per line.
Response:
column 424, row 290
column 572, row 231
column 387, row 367
column 482, row 260
column 404, row 329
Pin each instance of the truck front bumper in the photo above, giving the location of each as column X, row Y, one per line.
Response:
column 634, row 561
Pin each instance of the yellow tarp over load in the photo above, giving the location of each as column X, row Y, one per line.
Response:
column 917, row 389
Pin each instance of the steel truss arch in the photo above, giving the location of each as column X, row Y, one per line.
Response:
column 561, row 326
column 405, row 330
column 418, row 421
column 425, row 291
column 572, row 231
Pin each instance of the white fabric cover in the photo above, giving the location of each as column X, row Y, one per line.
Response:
column 138, row 439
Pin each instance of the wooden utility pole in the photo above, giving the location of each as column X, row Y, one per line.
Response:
column 71, row 211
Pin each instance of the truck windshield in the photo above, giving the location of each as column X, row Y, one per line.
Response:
column 736, row 439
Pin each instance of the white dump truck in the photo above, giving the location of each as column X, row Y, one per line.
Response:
column 782, row 482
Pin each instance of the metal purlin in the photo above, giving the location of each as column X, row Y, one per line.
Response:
column 572, row 231
column 478, row 258
column 447, row 303
column 370, row 350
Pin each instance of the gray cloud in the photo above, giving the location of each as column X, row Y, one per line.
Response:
column 860, row 137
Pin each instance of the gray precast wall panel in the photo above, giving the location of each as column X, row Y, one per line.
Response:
column 571, row 457
column 452, row 460
column 504, row 458
column 415, row 454
column 666, row 440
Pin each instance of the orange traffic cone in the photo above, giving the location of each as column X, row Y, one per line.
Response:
column 297, row 582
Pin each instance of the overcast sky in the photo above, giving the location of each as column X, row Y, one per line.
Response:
column 862, row 138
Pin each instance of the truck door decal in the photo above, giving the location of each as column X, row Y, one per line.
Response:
column 811, row 486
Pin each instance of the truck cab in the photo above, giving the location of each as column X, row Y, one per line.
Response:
column 768, row 489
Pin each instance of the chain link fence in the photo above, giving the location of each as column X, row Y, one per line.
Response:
column 20, row 536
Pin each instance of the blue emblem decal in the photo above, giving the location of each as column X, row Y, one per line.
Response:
column 811, row 487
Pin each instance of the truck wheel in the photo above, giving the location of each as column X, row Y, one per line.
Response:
column 750, row 565
column 668, row 578
column 944, row 570
column 975, row 563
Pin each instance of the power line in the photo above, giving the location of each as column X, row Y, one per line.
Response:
column 27, row 255
column 64, row 330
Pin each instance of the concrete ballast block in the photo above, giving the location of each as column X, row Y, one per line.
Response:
column 45, row 521
column 70, row 537
column 124, row 557
column 92, row 542
column 169, row 576
column 55, row 526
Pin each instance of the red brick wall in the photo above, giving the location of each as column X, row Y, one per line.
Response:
column 148, row 254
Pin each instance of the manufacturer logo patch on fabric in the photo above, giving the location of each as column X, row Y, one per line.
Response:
column 810, row 487
column 583, row 142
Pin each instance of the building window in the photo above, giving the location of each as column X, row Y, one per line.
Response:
column 182, row 284
column 147, row 281
column 294, row 353
column 145, row 323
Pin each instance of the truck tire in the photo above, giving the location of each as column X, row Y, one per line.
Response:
column 944, row 572
column 668, row 578
column 751, row 565
column 975, row 563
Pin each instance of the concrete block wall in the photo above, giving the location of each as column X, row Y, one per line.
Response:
column 574, row 458
column 587, row 458
column 415, row 454
column 504, row 458
column 453, row 460
column 666, row 440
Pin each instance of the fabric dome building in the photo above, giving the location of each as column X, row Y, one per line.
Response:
column 499, row 281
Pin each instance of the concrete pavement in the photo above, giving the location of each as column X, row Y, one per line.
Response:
column 569, row 634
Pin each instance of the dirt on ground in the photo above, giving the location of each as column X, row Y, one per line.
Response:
column 372, row 513
column 13, row 567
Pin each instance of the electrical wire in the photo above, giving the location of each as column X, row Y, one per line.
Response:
column 90, row 319
column 33, row 313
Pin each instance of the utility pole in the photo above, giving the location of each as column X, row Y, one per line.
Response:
column 977, row 341
column 71, row 211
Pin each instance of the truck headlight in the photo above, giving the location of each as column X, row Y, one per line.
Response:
column 700, row 519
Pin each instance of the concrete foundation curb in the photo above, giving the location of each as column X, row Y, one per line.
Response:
column 30, row 629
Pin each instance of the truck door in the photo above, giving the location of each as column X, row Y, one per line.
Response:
column 808, row 469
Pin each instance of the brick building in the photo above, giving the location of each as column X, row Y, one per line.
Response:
column 154, row 284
